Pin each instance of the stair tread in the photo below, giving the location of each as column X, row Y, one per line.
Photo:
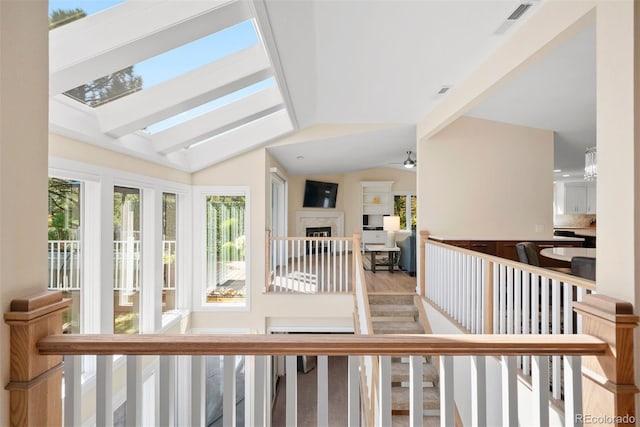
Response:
column 395, row 299
column 400, row 372
column 403, row 421
column 400, row 398
column 394, row 327
column 393, row 310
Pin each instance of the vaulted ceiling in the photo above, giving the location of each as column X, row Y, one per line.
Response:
column 339, row 84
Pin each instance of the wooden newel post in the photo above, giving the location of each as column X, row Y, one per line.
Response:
column 36, row 381
column 608, row 381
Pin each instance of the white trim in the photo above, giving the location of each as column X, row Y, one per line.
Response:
column 333, row 218
column 199, row 247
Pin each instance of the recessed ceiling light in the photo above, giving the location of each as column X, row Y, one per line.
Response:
column 299, row 157
column 557, row 170
column 566, row 175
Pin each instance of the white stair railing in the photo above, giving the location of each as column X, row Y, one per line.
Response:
column 309, row 265
column 487, row 294
column 382, row 347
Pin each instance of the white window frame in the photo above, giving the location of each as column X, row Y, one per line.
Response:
column 407, row 195
column 200, row 194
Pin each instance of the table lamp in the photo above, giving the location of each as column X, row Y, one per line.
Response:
column 391, row 224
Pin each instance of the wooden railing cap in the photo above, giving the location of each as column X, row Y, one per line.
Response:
column 607, row 308
column 36, row 305
column 35, row 301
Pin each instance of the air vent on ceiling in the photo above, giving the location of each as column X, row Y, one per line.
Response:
column 443, row 90
column 520, row 10
column 515, row 15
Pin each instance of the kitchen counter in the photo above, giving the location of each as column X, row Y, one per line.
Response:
column 506, row 248
column 579, row 231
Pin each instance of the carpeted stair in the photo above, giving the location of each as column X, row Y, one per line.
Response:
column 398, row 314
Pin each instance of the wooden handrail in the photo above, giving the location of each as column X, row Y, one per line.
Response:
column 317, row 344
column 551, row 274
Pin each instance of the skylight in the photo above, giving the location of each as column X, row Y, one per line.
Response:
column 166, row 66
column 209, row 106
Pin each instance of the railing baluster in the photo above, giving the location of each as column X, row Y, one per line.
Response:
column 134, row 391
column 259, row 396
column 72, row 391
column 555, row 329
column 384, row 391
column 167, row 390
column 291, row 365
column 415, row 391
column 503, row 299
column 322, row 372
column 478, row 391
column 540, row 386
column 104, row 390
column 526, row 318
column 509, row 391
column 354, row 391
column 572, row 390
column 198, row 390
column 297, row 258
column 447, row 403
column 536, row 305
column 510, row 301
column 229, row 393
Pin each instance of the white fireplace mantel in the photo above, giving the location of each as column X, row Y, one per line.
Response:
column 307, row 219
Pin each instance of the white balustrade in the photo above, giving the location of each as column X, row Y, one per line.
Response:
column 526, row 300
column 310, row 265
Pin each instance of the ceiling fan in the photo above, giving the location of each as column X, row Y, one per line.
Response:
column 409, row 163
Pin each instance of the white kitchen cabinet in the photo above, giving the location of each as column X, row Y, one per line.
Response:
column 576, row 198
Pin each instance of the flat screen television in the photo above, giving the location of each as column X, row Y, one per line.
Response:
column 320, row 194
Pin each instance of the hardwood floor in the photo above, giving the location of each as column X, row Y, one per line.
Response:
column 398, row 282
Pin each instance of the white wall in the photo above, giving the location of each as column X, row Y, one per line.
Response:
column 252, row 170
column 486, row 180
column 24, row 53
column 618, row 138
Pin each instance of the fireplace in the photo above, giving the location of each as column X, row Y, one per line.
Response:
column 316, row 246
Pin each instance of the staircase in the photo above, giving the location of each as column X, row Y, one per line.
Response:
column 399, row 314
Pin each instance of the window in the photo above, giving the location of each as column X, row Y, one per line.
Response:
column 126, row 260
column 405, row 206
column 64, row 246
column 169, row 241
column 226, row 234
column 167, row 65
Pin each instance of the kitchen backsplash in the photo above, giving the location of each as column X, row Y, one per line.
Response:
column 574, row 220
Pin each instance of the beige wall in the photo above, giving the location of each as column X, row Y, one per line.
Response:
column 252, row 170
column 484, row 179
column 71, row 149
column 24, row 104
column 618, row 134
column 349, row 193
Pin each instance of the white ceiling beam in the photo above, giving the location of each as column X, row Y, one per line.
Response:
column 240, row 140
column 167, row 99
column 78, row 122
column 131, row 32
column 218, row 121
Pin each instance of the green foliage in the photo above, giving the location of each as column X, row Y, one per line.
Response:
column 60, row 17
column 105, row 89
column 64, row 209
